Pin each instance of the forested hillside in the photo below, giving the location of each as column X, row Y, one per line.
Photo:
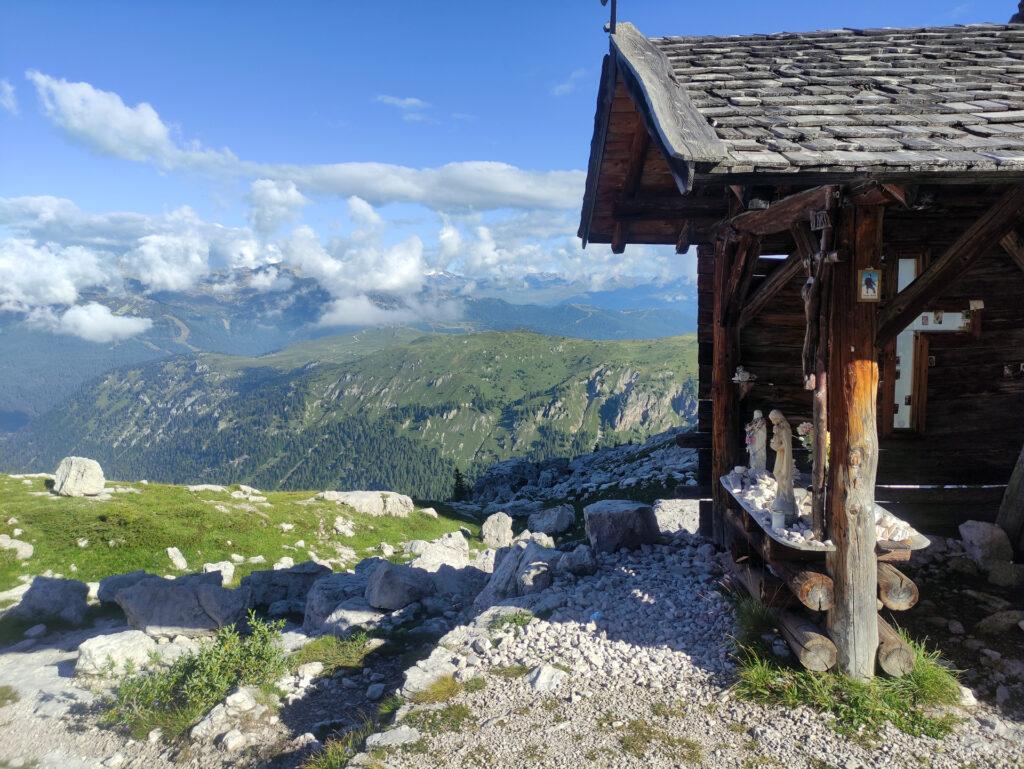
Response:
column 387, row 409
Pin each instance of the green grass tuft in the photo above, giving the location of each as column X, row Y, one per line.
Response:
column 8, row 695
column 475, row 684
column 440, row 690
column 335, row 653
column 336, row 753
column 860, row 707
column 513, row 619
column 639, row 738
column 510, row 671
column 450, row 718
column 176, row 698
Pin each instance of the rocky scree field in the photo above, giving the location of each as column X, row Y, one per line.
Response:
column 608, row 642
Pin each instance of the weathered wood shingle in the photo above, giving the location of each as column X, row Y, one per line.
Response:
column 877, row 100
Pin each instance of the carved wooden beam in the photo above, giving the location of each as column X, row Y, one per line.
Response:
column 782, row 214
column 981, row 236
column 1013, row 245
column 781, row 276
column 643, row 206
column 748, row 251
column 877, row 194
column 685, row 237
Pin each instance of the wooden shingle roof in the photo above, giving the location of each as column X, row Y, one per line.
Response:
column 880, row 100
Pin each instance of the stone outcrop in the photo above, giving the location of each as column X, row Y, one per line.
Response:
column 521, row 569
column 78, row 477
column 49, row 598
column 288, row 584
column 394, row 586
column 22, row 550
column 114, row 653
column 191, row 606
column 554, row 520
column 375, row 503
column 985, row 542
column 115, row 583
column 497, row 530
column 612, row 524
column 675, row 515
column 336, row 603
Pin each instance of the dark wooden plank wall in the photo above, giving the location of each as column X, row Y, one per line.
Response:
column 975, row 414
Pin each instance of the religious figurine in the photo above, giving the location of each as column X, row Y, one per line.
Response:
column 757, row 438
column 785, row 468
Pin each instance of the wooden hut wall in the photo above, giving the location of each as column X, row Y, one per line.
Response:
column 975, row 413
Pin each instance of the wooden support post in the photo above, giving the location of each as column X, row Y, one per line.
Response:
column 1011, row 510
column 762, row 585
column 724, row 440
column 894, row 656
column 896, row 590
column 853, row 455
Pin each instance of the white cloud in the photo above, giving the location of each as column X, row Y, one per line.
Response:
column 449, row 240
column 168, row 262
column 103, row 122
column 8, row 99
column 402, row 102
column 363, row 214
column 272, row 203
column 92, row 322
column 32, row 275
column 361, row 310
column 569, row 85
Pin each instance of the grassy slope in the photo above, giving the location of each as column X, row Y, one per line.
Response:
column 141, row 527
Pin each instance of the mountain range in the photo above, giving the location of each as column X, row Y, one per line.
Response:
column 386, row 408
column 39, row 369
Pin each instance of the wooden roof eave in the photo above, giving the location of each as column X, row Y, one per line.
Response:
column 681, row 132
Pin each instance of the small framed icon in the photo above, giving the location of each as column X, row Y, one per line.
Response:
column 869, row 285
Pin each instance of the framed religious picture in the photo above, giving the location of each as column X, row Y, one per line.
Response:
column 869, row 285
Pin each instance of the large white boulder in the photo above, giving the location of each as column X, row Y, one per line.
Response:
column 521, row 569
column 497, row 530
column 49, row 598
column 22, row 550
column 675, row 515
column 225, row 568
column 451, row 549
column 78, row 477
column 985, row 543
column 612, row 524
column 332, row 593
column 394, row 586
column 376, row 503
column 290, row 584
column 554, row 520
column 114, row 653
column 190, row 606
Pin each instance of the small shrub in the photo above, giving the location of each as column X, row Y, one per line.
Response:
column 390, row 705
column 335, row 653
column 513, row 619
column 8, row 695
column 753, row 618
column 439, row 690
column 175, row 698
column 451, row 718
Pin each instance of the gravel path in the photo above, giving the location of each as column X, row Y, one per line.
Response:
column 646, row 644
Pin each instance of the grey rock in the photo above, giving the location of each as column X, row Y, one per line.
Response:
column 49, row 598
column 985, row 543
column 225, row 568
column 177, row 559
column 555, row 520
column 545, row 678
column 22, row 550
column 400, row 735
column 268, row 586
column 374, row 692
column 187, row 606
column 326, row 594
column 612, row 524
column 675, row 515
column 579, row 562
column 497, row 530
column 114, row 652
column 78, row 477
column 112, row 585
column 519, row 570
column 999, row 622
column 394, row 586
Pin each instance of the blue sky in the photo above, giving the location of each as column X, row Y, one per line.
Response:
column 172, row 112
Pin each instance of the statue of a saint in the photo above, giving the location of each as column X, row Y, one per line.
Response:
column 757, row 439
column 785, row 468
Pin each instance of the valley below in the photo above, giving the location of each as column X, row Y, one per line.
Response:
column 391, row 408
